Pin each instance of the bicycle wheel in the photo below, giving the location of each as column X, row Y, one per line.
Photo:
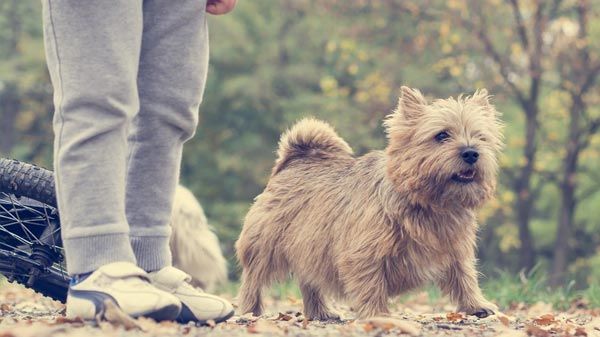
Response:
column 31, row 251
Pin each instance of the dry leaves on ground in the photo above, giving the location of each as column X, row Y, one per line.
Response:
column 26, row 314
column 388, row 323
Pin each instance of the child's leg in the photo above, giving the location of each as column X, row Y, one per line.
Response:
column 172, row 73
column 92, row 50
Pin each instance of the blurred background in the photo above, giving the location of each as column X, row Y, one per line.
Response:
column 273, row 62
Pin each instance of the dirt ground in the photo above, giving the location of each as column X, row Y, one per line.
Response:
column 24, row 313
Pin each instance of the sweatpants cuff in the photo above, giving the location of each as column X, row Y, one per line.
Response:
column 86, row 254
column 152, row 252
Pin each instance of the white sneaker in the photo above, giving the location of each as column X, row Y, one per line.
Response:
column 128, row 287
column 197, row 306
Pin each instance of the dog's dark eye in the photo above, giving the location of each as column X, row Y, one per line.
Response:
column 442, row 136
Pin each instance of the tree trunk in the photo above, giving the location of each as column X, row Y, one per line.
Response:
column 568, row 187
column 524, row 200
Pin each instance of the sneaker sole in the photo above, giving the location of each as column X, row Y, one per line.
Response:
column 168, row 313
column 205, row 322
column 229, row 315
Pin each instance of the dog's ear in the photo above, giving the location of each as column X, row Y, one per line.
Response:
column 411, row 103
column 482, row 98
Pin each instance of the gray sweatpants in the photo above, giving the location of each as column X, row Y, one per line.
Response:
column 128, row 78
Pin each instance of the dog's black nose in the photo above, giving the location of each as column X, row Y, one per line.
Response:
column 470, row 155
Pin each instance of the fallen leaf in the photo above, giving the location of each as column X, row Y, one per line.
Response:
column 283, row 317
column 388, row 323
column 580, row 331
column 504, row 320
column 535, row 331
column 305, row 324
column 546, row 319
column 454, row 316
column 65, row 320
column 264, row 326
column 115, row 316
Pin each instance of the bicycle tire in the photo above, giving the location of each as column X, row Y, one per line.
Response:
column 21, row 179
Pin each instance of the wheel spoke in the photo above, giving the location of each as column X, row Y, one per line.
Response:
column 34, row 217
column 13, row 248
column 14, row 236
column 17, row 217
column 30, row 221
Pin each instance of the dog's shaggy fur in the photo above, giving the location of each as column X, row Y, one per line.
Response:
column 194, row 246
column 372, row 227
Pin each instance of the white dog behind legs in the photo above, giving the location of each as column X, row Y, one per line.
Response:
column 194, row 245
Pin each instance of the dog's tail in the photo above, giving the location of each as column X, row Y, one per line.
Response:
column 309, row 138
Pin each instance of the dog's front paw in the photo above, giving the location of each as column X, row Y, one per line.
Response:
column 324, row 315
column 481, row 311
column 328, row 316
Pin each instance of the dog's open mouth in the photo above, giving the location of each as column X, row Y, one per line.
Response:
column 465, row 176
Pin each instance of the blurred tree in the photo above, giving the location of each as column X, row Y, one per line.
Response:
column 524, row 51
column 25, row 89
column 577, row 59
column 520, row 68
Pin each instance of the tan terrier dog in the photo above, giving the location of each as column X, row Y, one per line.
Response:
column 194, row 245
column 372, row 227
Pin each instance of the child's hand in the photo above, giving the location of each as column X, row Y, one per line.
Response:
column 218, row 7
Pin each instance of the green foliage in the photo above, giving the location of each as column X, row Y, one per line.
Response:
column 592, row 294
column 509, row 289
